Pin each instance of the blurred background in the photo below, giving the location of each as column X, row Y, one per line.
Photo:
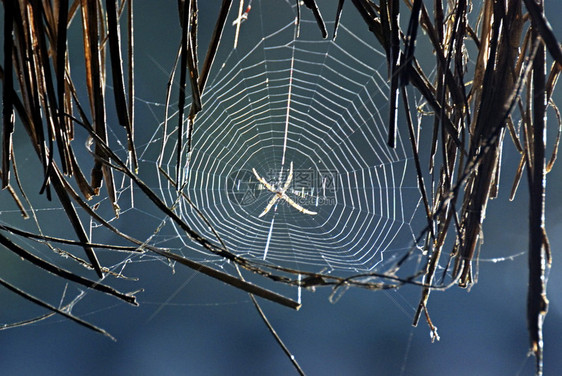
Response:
column 190, row 324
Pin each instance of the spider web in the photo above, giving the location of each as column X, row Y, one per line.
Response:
column 277, row 100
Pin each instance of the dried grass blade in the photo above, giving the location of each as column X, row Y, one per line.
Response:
column 51, row 268
column 394, row 31
column 419, row 173
column 410, row 47
column 207, row 64
column 131, row 79
column 311, row 4
column 91, row 13
column 517, row 178
column 338, row 17
column 30, row 110
column 435, row 36
column 375, row 24
column 185, row 50
column 27, row 322
column 60, row 68
column 542, row 26
column 214, row 44
column 91, row 71
column 80, row 179
column 47, row 91
column 552, row 79
column 20, row 187
column 554, row 154
column 43, row 304
column 46, row 238
column 7, row 93
column 17, row 201
column 193, row 64
column 272, row 330
column 421, row 83
column 75, row 220
column 537, row 303
column 514, row 136
column 114, row 38
column 231, row 280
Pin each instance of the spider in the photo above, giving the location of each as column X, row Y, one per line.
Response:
column 280, row 193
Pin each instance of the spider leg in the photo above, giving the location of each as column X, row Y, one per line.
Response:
column 297, row 206
column 289, row 179
column 264, row 182
column 269, row 206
